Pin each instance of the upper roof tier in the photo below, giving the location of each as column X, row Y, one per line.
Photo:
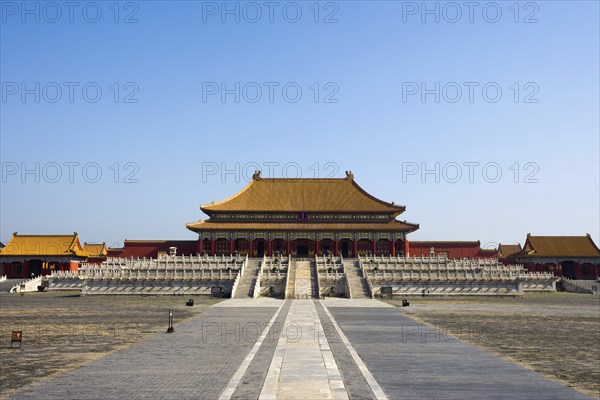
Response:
column 303, row 195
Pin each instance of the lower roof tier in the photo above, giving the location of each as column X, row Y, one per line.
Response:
column 389, row 226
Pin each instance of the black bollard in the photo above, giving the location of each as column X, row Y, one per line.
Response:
column 170, row 328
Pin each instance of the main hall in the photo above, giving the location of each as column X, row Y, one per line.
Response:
column 303, row 218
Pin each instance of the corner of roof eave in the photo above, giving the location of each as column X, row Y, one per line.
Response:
column 191, row 227
column 415, row 227
column 399, row 210
column 206, row 211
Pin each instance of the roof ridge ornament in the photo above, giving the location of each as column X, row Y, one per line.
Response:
column 349, row 175
column 256, row 175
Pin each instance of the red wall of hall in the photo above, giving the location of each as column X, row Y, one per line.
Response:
column 152, row 248
column 454, row 249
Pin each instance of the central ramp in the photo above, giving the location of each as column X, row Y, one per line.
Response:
column 303, row 366
column 303, row 287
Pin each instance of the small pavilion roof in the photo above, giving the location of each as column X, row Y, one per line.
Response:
column 507, row 250
column 95, row 249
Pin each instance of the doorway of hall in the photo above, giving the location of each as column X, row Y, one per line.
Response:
column 302, row 250
column 345, row 248
column 260, row 248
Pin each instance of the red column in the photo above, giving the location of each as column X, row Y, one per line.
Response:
column 270, row 248
column 393, row 248
column 578, row 271
column 335, row 248
column 317, row 247
column 200, row 245
column 354, row 248
column 231, row 246
column 406, row 247
column 289, row 247
column 212, row 247
column 250, row 248
column 374, row 246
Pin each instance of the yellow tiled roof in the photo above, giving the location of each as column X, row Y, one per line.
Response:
column 505, row 250
column 95, row 249
column 303, row 195
column 43, row 245
column 560, row 246
column 393, row 225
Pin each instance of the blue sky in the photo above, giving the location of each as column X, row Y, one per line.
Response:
column 163, row 123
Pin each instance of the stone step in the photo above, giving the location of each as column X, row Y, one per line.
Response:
column 358, row 285
column 245, row 285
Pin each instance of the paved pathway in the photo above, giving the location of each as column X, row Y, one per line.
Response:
column 414, row 361
column 250, row 385
column 265, row 348
column 195, row 362
column 303, row 366
column 356, row 384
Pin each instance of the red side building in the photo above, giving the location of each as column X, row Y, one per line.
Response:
column 152, row 248
column 451, row 249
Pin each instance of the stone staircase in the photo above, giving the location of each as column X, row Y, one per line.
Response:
column 30, row 285
column 245, row 287
column 290, row 291
column 305, row 285
column 358, row 284
column 7, row 284
column 581, row 286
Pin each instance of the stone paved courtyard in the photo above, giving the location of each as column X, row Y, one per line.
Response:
column 331, row 349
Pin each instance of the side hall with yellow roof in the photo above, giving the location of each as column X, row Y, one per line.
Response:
column 573, row 257
column 32, row 255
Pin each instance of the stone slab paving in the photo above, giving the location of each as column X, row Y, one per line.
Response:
column 356, row 384
column 195, row 362
column 414, row 361
column 378, row 352
column 251, row 303
column 303, row 366
column 253, row 379
column 355, row 303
